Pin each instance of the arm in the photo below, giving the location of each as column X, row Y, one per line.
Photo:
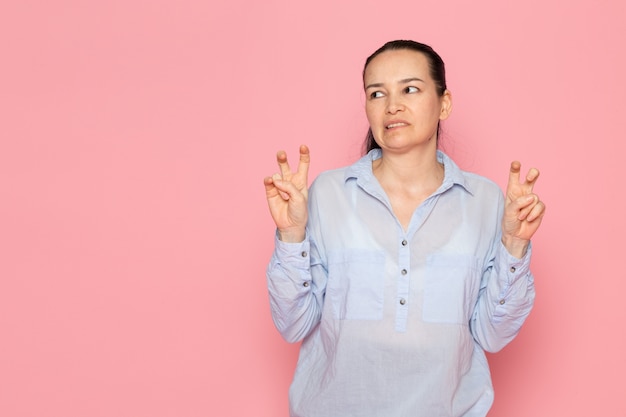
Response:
column 295, row 299
column 296, row 293
column 507, row 289
column 505, row 299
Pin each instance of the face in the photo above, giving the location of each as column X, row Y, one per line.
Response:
column 402, row 104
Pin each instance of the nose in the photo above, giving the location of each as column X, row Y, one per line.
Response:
column 394, row 104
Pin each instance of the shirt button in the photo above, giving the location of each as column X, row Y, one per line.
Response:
column 403, row 272
column 305, row 284
column 402, row 301
column 404, row 243
column 304, row 254
column 502, row 302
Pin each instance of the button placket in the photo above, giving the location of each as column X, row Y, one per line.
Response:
column 403, row 282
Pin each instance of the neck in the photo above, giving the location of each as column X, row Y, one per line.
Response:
column 412, row 172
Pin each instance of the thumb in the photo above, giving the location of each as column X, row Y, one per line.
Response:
column 287, row 190
column 521, row 206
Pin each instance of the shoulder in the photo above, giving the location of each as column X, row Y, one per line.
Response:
column 360, row 170
column 484, row 196
column 330, row 179
column 478, row 184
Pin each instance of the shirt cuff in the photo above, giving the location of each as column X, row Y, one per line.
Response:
column 296, row 254
column 514, row 268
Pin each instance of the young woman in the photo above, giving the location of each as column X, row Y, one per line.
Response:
column 399, row 271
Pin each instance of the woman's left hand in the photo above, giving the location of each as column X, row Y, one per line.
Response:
column 523, row 211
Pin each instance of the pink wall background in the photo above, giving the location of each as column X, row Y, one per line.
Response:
column 134, row 234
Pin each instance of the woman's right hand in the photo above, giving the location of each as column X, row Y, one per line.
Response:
column 287, row 196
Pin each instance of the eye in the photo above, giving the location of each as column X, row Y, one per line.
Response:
column 376, row 94
column 411, row 89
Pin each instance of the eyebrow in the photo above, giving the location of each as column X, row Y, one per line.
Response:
column 404, row 81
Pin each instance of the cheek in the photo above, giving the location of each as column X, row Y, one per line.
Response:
column 371, row 113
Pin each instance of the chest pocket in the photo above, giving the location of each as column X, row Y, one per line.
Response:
column 355, row 288
column 451, row 284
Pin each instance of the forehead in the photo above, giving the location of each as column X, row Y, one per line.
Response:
column 397, row 65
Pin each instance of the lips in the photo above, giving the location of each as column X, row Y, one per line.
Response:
column 395, row 123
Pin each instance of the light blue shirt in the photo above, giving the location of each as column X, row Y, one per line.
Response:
column 395, row 322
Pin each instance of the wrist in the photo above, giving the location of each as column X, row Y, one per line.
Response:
column 291, row 235
column 515, row 246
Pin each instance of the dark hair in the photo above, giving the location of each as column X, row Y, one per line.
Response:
column 437, row 73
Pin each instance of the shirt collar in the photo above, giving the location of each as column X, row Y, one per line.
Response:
column 361, row 170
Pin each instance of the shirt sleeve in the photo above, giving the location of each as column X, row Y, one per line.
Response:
column 295, row 297
column 506, row 297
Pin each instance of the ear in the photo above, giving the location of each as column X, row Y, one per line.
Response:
column 446, row 105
